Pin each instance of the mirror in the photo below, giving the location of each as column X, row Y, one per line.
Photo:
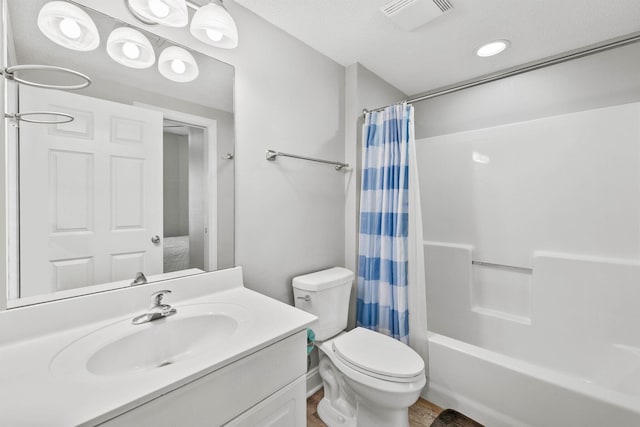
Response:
column 139, row 187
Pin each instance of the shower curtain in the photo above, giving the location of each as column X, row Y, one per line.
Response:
column 384, row 222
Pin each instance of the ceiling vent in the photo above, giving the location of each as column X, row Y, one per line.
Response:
column 411, row 14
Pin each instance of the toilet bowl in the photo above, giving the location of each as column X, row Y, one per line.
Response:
column 369, row 379
column 378, row 381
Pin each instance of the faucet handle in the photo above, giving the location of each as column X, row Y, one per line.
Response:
column 156, row 297
column 139, row 279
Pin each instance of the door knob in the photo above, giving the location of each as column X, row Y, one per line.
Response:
column 155, row 240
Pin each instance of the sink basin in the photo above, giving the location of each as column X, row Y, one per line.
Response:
column 124, row 349
column 163, row 343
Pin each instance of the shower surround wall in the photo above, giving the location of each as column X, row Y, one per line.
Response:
column 538, row 176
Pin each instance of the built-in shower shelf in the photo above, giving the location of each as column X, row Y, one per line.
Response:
column 502, row 291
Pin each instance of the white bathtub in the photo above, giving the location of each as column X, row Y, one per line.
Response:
column 502, row 391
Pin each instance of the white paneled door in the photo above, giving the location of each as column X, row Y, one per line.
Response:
column 90, row 193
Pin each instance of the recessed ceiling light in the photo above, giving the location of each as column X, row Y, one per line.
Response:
column 492, row 48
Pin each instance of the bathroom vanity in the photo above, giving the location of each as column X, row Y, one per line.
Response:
column 229, row 356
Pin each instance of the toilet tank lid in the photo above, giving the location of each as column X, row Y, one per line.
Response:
column 323, row 279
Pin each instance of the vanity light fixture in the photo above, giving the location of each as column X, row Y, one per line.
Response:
column 492, row 48
column 69, row 26
column 131, row 48
column 172, row 13
column 177, row 64
column 212, row 24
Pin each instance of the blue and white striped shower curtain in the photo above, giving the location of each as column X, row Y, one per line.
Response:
column 383, row 253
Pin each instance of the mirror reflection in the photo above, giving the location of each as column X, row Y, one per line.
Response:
column 138, row 187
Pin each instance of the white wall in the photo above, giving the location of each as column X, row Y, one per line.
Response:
column 175, row 184
column 196, row 198
column 288, row 97
column 364, row 89
column 3, row 208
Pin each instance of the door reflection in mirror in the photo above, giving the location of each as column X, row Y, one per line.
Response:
column 139, row 182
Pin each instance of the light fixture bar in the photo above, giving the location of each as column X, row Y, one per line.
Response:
column 196, row 6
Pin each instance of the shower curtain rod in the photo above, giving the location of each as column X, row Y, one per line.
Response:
column 531, row 66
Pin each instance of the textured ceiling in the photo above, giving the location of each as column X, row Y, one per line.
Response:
column 442, row 51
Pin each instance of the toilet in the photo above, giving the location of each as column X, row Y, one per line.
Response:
column 369, row 379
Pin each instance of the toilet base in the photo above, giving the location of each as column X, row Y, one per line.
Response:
column 381, row 417
column 332, row 417
column 353, row 399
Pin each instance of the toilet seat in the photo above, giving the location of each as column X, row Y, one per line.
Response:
column 378, row 356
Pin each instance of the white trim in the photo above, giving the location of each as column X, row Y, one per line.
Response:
column 211, row 175
column 9, row 267
column 314, row 381
column 4, row 188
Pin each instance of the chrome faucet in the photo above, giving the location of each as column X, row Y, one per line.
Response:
column 157, row 310
column 140, row 279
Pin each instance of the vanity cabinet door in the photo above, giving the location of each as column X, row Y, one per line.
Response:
column 286, row 408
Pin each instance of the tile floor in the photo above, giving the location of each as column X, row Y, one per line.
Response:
column 421, row 414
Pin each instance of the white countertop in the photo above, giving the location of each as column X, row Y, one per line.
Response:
column 31, row 395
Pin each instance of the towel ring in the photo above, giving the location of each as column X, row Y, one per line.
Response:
column 10, row 73
column 24, row 117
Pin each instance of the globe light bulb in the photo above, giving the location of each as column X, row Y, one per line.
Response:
column 70, row 28
column 159, row 8
column 131, row 50
column 214, row 35
column 178, row 66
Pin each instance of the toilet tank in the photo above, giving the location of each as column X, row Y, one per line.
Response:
column 326, row 295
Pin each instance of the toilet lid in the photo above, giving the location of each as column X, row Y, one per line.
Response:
column 378, row 355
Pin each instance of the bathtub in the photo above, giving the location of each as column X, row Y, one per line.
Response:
column 502, row 391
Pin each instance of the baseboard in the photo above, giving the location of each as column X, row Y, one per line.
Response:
column 314, row 382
